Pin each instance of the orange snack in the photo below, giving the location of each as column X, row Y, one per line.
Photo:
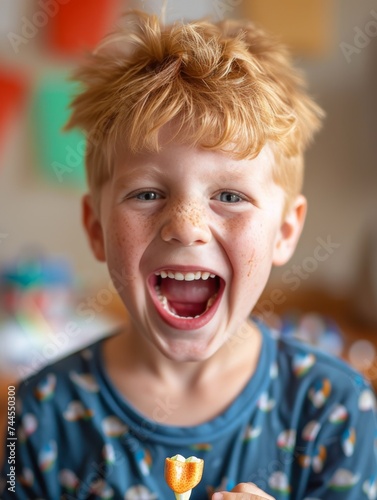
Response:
column 183, row 474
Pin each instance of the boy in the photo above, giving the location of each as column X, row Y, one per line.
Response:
column 196, row 136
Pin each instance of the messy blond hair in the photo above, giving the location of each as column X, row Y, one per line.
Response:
column 228, row 85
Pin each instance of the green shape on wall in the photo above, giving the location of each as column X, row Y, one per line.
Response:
column 61, row 155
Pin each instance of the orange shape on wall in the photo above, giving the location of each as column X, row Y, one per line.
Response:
column 306, row 26
column 80, row 24
column 13, row 89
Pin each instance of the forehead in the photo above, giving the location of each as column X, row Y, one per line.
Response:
column 176, row 157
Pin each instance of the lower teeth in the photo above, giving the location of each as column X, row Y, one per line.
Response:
column 173, row 312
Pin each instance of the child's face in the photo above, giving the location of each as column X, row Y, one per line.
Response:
column 189, row 213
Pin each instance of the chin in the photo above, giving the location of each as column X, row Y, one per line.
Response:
column 189, row 349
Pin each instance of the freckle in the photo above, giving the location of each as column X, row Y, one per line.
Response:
column 191, row 213
column 118, row 238
column 250, row 263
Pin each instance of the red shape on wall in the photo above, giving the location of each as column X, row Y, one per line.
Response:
column 80, row 24
column 13, row 89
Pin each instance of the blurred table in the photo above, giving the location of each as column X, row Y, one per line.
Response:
column 353, row 327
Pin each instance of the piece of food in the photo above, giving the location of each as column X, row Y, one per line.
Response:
column 182, row 475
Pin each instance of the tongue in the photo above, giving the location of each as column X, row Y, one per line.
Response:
column 188, row 298
column 188, row 291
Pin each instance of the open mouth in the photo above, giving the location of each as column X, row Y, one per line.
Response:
column 186, row 299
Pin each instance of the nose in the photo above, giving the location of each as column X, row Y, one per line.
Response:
column 186, row 224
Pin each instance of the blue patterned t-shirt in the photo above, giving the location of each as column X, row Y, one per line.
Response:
column 304, row 427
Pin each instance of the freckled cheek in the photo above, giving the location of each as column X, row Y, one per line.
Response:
column 247, row 244
column 126, row 239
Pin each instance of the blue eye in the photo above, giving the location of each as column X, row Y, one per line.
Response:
column 148, row 196
column 229, row 197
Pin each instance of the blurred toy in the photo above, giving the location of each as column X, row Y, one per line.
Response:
column 41, row 317
column 315, row 329
column 37, row 286
column 37, row 294
column 36, row 297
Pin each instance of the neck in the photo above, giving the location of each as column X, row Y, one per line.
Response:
column 193, row 392
column 241, row 348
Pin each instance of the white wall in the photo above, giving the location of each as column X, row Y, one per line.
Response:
column 176, row 9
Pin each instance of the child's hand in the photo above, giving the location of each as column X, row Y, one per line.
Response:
column 243, row 491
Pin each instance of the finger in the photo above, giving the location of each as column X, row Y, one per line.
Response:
column 246, row 491
column 240, row 496
column 251, row 488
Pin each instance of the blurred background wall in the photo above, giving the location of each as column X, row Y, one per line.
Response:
column 40, row 215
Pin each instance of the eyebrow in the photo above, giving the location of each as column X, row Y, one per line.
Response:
column 139, row 171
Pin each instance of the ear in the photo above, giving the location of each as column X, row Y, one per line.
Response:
column 93, row 228
column 290, row 231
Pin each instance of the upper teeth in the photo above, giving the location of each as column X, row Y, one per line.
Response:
column 190, row 276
